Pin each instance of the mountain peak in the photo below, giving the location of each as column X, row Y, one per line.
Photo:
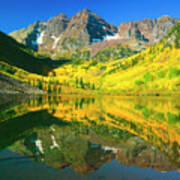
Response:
column 89, row 26
column 85, row 10
column 62, row 16
column 165, row 18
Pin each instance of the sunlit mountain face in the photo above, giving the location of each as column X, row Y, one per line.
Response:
column 84, row 134
column 86, row 34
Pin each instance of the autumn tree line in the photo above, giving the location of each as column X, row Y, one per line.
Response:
column 54, row 86
column 80, row 83
column 49, row 86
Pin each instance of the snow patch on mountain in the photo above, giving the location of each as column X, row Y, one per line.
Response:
column 107, row 38
column 40, row 38
column 56, row 40
column 104, row 27
column 113, row 37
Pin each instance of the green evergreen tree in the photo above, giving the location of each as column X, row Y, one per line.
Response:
column 93, row 87
column 88, row 85
column 77, row 82
column 39, row 85
column 81, row 83
column 49, row 87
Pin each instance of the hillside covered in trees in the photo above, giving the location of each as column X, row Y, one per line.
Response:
column 153, row 71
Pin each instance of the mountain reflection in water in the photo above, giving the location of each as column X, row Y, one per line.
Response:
column 87, row 135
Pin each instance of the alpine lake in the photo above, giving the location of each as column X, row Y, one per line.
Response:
column 73, row 137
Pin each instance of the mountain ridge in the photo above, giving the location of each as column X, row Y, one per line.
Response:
column 116, row 69
column 86, row 32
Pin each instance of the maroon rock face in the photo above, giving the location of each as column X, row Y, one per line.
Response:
column 152, row 30
column 58, row 24
column 88, row 30
column 138, row 35
column 86, row 23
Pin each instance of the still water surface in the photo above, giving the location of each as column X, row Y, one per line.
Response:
column 90, row 138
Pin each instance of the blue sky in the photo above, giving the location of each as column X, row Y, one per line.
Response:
column 16, row 14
